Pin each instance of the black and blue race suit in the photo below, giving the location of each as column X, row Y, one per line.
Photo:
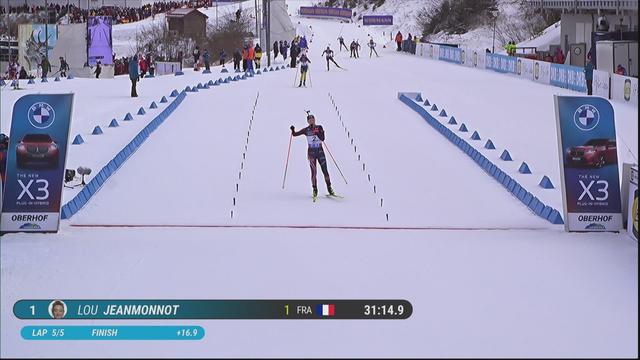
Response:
column 315, row 154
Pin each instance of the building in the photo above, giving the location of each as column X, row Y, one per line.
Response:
column 584, row 23
column 188, row 22
column 83, row 3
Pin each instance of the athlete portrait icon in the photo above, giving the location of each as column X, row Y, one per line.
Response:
column 627, row 89
column 57, row 309
column 99, row 40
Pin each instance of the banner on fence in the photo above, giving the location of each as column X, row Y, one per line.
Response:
column 377, row 20
column 624, row 88
column 326, row 12
column 601, row 83
column 450, row 54
column 542, row 72
column 568, row 77
column 502, row 63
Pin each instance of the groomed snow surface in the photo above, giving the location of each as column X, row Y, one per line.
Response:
column 486, row 277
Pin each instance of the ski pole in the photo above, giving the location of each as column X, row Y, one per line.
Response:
column 334, row 161
column 286, row 165
column 296, row 78
column 309, row 74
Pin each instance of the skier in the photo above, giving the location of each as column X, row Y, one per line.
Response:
column 237, row 57
column 329, row 57
column 357, row 49
column 352, row 47
column 304, row 68
column 315, row 154
column 258, row 50
column 196, row 57
column 276, row 48
column 303, row 44
column 341, row 40
column 98, row 70
column 372, row 48
column 63, row 67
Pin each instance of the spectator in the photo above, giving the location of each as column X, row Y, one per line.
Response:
column 399, row 40
column 620, row 70
column 142, row 63
column 588, row 75
column 206, row 59
column 237, row 57
column 196, row 58
column 46, row 67
column 559, row 57
column 223, row 57
column 245, row 56
column 133, row 75
column 258, row 50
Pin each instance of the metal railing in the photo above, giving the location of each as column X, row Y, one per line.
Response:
column 630, row 5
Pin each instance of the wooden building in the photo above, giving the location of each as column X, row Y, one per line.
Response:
column 188, row 22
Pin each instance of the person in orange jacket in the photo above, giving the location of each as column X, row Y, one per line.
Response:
column 251, row 55
column 399, row 40
column 245, row 56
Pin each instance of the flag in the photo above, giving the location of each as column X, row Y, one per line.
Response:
column 326, row 309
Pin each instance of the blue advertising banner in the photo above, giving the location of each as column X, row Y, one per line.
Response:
column 450, row 54
column 589, row 163
column 377, row 20
column 568, row 77
column 36, row 163
column 331, row 12
column 502, row 63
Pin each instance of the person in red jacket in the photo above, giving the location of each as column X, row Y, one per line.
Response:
column 143, row 66
column 399, row 40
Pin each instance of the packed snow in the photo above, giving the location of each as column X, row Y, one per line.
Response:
column 486, row 277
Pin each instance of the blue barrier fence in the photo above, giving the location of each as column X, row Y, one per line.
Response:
column 502, row 63
column 450, row 54
column 75, row 204
column 510, row 184
column 568, row 77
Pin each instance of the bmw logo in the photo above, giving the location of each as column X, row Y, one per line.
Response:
column 586, row 117
column 41, row 115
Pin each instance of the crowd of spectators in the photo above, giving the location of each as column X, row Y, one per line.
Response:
column 120, row 15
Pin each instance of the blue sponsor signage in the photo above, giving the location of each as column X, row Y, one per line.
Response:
column 568, row 77
column 377, row 20
column 589, row 163
column 318, row 11
column 502, row 63
column 450, row 54
column 36, row 163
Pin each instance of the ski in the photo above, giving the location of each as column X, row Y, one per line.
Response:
column 335, row 196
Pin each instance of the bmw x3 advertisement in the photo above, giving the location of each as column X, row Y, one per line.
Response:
column 589, row 159
column 35, row 163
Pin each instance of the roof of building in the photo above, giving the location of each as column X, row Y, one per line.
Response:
column 182, row 12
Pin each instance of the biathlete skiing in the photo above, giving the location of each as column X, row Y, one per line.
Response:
column 315, row 154
column 329, row 57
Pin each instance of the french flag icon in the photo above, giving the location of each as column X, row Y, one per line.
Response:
column 326, row 309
